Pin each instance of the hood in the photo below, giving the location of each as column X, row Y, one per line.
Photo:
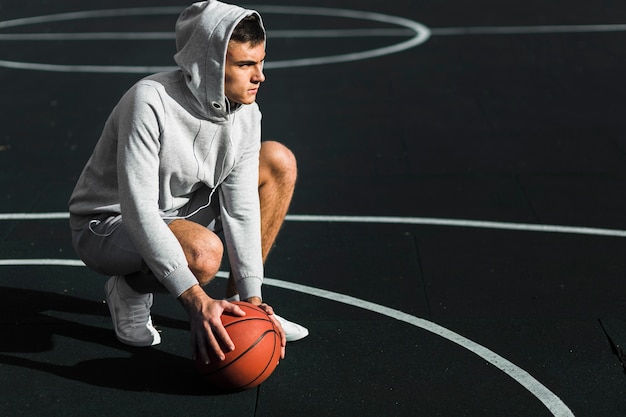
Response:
column 202, row 34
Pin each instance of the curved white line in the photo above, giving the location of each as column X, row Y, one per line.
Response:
column 425, row 221
column 422, row 33
column 338, row 33
column 536, row 388
column 419, row 32
column 550, row 400
column 481, row 224
column 89, row 14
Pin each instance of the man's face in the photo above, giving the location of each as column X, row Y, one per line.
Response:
column 244, row 71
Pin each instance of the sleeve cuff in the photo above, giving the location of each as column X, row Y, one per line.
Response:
column 179, row 281
column 249, row 287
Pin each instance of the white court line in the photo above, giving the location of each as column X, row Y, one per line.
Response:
column 88, row 14
column 527, row 30
column 327, row 33
column 419, row 34
column 114, row 69
column 424, row 221
column 139, row 36
column 481, row 224
column 34, row 216
column 91, row 36
column 550, row 400
column 416, row 32
column 41, row 262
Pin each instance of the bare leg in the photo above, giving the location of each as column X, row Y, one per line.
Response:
column 277, row 179
column 203, row 250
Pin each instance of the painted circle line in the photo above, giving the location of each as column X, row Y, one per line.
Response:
column 423, row 221
column 550, row 400
column 418, row 32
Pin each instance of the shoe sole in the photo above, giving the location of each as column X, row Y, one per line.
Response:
column 296, row 337
column 300, row 333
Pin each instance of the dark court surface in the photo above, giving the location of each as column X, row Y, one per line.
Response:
column 505, row 112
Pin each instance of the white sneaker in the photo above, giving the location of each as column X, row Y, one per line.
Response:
column 130, row 312
column 293, row 331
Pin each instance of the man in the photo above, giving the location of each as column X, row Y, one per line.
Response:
column 180, row 160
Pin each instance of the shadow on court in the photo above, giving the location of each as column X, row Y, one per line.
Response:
column 29, row 327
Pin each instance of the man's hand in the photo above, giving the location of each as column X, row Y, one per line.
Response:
column 270, row 312
column 208, row 336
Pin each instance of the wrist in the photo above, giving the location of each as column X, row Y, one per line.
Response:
column 192, row 296
column 255, row 300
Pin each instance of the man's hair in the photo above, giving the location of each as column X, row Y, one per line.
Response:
column 249, row 30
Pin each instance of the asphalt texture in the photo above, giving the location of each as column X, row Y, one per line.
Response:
column 455, row 245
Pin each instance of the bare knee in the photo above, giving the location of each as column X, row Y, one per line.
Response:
column 277, row 162
column 205, row 259
column 203, row 249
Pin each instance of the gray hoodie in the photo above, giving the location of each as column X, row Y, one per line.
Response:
column 170, row 134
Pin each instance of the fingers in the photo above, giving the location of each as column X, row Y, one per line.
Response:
column 283, row 338
column 234, row 309
column 218, row 338
column 267, row 308
column 206, row 344
column 209, row 337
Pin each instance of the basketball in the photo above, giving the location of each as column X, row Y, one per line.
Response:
column 256, row 354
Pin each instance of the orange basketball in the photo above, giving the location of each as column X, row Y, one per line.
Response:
column 256, row 354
